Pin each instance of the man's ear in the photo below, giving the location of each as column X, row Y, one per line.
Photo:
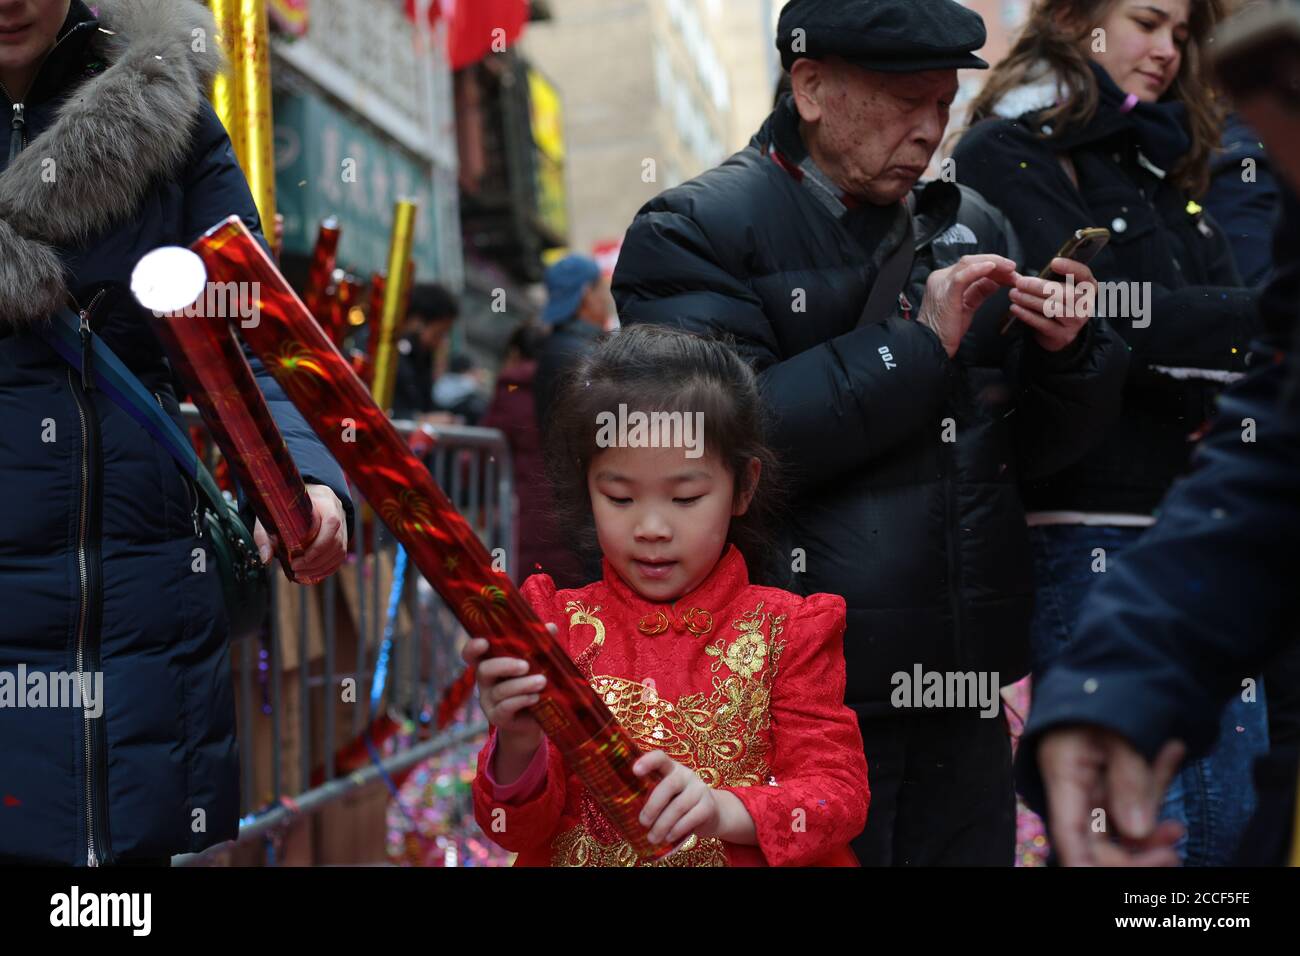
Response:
column 808, row 81
column 747, row 485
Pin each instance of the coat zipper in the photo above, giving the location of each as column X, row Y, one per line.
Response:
column 18, row 132
column 88, row 555
column 18, row 124
column 88, row 530
column 87, row 349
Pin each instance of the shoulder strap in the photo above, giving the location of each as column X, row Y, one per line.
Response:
column 121, row 385
column 882, row 302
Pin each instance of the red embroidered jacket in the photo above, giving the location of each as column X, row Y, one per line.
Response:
column 744, row 684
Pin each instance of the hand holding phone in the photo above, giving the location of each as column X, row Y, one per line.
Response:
column 1082, row 247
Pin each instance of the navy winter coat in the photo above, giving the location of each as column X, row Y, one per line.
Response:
column 97, row 523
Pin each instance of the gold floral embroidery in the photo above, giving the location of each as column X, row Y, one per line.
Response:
column 578, row 847
column 719, row 735
column 579, row 614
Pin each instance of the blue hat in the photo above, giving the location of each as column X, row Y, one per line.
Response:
column 566, row 283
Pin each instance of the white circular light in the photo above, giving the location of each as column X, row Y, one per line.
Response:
column 168, row 280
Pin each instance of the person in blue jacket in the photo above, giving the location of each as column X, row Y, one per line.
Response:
column 110, row 150
column 1244, row 198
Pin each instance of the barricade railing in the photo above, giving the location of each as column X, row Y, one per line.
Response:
column 292, row 678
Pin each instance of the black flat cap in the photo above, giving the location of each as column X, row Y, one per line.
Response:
column 892, row 36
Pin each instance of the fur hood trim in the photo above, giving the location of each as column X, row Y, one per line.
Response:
column 110, row 140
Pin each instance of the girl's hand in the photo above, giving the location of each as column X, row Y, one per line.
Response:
column 505, row 689
column 680, row 805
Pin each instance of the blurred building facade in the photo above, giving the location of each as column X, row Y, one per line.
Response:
column 1002, row 20
column 364, row 116
column 654, row 92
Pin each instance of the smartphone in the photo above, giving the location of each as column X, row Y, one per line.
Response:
column 1082, row 247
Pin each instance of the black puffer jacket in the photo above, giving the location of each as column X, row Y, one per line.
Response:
column 1199, row 316
column 925, row 538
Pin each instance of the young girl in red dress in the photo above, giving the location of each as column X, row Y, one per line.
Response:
column 734, row 691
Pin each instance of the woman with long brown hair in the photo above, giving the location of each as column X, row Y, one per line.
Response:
column 1100, row 116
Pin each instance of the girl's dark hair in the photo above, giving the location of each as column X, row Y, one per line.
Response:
column 654, row 369
column 1055, row 34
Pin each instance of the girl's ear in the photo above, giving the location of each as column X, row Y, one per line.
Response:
column 748, row 485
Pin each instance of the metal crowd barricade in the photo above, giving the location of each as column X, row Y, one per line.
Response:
column 474, row 468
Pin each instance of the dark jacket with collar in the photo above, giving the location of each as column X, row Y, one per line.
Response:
column 923, row 536
column 413, row 387
column 559, row 353
column 1199, row 316
column 97, row 527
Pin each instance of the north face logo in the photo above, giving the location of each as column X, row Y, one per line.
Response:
column 957, row 234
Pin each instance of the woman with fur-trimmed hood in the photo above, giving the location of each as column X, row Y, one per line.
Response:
column 109, row 149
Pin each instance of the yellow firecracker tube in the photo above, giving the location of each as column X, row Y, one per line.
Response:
column 226, row 99
column 241, row 97
column 395, row 298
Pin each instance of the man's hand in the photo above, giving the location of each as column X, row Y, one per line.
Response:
column 329, row 544
column 953, row 295
column 1087, row 769
column 1056, row 315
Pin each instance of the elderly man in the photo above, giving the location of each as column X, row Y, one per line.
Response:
column 870, row 306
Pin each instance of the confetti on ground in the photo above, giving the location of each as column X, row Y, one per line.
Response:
column 438, row 798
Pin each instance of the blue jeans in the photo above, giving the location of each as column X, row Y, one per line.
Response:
column 1214, row 796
